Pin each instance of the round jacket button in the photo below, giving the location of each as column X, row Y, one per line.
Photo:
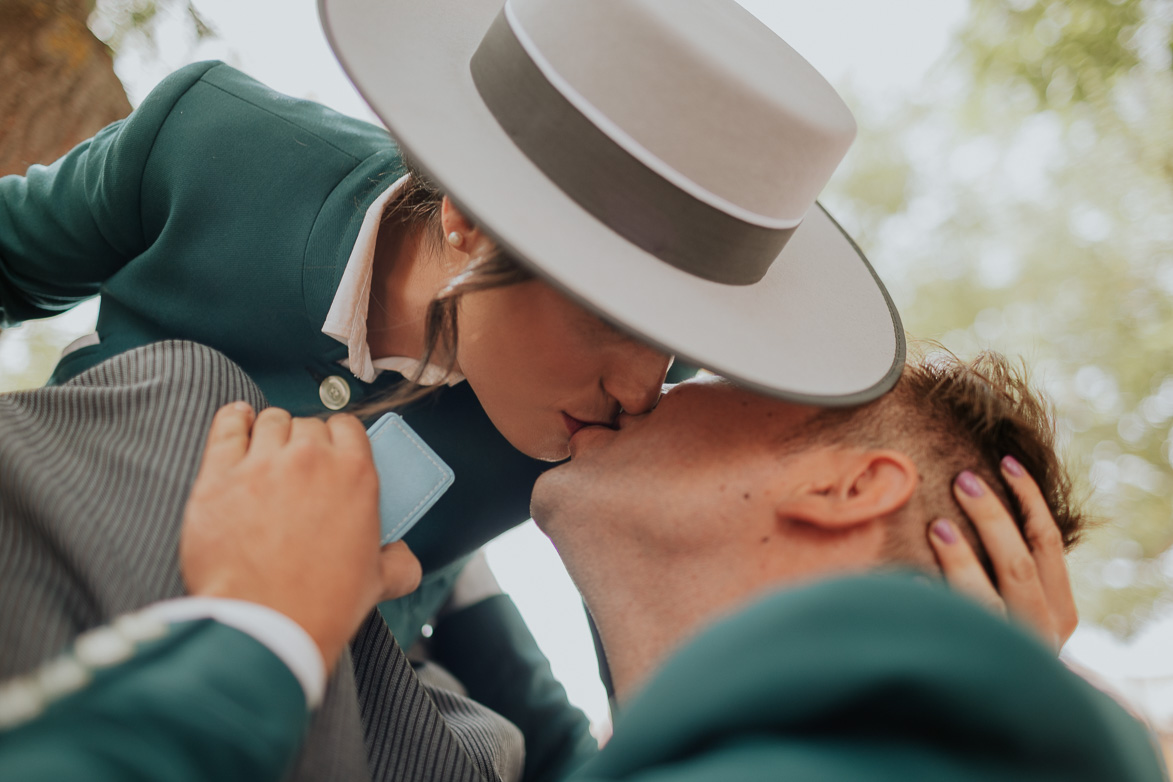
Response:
column 334, row 392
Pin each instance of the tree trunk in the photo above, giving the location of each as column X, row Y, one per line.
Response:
column 57, row 82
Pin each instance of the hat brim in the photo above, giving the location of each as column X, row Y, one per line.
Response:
column 819, row 328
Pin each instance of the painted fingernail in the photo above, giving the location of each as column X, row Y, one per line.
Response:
column 1011, row 465
column 944, row 532
column 970, row 484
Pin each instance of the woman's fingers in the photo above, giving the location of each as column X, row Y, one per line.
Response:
column 228, row 438
column 1019, row 582
column 1046, row 544
column 961, row 567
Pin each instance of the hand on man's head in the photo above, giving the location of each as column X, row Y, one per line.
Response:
column 284, row 513
column 1033, row 584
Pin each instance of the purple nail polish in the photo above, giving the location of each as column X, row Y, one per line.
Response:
column 970, row 484
column 1011, row 465
column 944, row 532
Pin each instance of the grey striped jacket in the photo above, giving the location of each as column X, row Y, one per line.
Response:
column 93, row 479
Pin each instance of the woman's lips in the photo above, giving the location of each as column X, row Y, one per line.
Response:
column 574, row 425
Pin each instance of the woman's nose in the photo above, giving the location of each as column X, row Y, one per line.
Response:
column 636, row 379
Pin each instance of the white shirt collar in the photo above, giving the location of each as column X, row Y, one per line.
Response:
column 347, row 319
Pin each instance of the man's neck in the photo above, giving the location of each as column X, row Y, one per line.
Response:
column 645, row 611
column 643, row 617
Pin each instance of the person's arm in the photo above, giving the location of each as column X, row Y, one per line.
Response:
column 66, row 227
column 280, row 551
column 194, row 701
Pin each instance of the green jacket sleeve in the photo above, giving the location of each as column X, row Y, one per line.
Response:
column 204, row 702
column 68, row 226
column 489, row 648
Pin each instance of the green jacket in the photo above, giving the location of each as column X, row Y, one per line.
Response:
column 205, row 702
column 884, row 678
column 223, row 212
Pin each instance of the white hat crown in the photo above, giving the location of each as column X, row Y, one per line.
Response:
column 698, row 90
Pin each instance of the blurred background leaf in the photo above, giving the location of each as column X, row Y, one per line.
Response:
column 119, row 22
column 1025, row 203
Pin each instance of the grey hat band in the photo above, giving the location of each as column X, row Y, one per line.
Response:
column 608, row 181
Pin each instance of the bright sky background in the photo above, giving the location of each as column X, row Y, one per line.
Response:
column 879, row 51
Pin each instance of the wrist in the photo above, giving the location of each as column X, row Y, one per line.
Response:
column 328, row 646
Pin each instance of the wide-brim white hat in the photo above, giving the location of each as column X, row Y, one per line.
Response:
column 656, row 160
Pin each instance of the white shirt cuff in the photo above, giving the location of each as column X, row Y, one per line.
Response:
column 283, row 636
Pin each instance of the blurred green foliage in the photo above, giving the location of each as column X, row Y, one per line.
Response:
column 1066, row 51
column 1025, row 202
column 118, row 22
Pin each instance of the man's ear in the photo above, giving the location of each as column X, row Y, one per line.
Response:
column 851, row 487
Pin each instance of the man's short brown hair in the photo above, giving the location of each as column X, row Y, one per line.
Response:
column 951, row 415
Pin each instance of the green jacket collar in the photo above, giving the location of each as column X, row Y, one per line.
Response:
column 327, row 251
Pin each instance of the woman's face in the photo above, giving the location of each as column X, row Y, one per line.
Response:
column 542, row 366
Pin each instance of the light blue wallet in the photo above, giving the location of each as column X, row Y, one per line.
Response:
column 411, row 476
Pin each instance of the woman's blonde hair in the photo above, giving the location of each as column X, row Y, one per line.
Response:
column 417, row 210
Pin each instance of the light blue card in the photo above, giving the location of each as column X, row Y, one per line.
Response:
column 411, row 476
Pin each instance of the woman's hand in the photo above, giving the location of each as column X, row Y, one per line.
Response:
column 1031, row 570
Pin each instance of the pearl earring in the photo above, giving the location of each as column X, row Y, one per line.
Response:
column 455, row 238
